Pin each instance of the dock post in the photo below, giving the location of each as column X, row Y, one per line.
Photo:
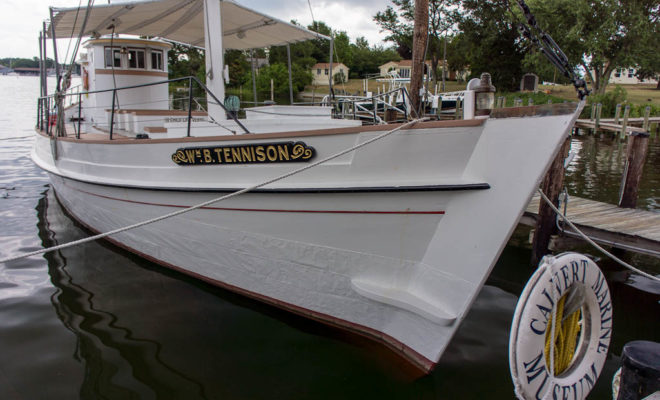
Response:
column 617, row 114
column 638, row 146
column 551, row 186
column 599, row 109
column 647, row 115
column 624, row 125
column 654, row 129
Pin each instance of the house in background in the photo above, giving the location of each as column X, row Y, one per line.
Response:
column 321, row 71
column 627, row 76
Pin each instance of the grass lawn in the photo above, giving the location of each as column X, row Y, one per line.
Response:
column 637, row 94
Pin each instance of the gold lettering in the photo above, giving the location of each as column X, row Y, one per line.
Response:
column 190, row 155
column 252, row 151
column 283, row 151
column 207, row 156
column 261, row 156
column 236, row 154
column 245, row 153
column 227, row 155
column 271, row 152
column 218, row 153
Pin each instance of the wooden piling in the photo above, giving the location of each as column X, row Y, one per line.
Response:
column 638, row 146
column 551, row 186
column 599, row 109
column 647, row 115
column 617, row 114
column 624, row 125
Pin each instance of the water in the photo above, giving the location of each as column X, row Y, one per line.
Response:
column 97, row 322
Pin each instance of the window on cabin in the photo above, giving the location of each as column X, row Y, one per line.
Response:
column 326, row 71
column 157, row 59
column 112, row 57
column 136, row 58
column 318, row 71
column 617, row 74
column 631, row 72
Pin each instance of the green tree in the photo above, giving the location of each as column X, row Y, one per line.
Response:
column 491, row 42
column 443, row 16
column 366, row 59
column 601, row 36
column 186, row 61
column 279, row 73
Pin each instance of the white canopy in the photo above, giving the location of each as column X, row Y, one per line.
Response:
column 180, row 21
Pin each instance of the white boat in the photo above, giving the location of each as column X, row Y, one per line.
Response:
column 393, row 240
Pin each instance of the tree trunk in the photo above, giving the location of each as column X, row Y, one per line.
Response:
column 419, row 44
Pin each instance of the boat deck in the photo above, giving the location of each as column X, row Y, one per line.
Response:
column 608, row 224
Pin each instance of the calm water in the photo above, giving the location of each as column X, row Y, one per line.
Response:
column 96, row 322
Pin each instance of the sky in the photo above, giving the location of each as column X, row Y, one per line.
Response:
column 21, row 20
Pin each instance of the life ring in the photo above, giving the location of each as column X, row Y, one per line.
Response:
column 582, row 334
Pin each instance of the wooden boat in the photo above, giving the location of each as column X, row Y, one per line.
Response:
column 393, row 240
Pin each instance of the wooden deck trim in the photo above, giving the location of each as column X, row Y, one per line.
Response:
column 278, row 135
column 139, row 112
column 137, row 72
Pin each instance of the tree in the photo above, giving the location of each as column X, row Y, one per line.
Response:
column 491, row 42
column 186, row 61
column 366, row 60
column 601, row 36
column 442, row 17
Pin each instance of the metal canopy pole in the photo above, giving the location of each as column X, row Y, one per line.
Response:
column 45, row 72
column 288, row 57
column 332, row 43
column 254, row 79
column 57, row 64
column 41, row 65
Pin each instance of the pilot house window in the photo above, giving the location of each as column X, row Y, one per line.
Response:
column 112, row 57
column 136, row 58
column 157, row 59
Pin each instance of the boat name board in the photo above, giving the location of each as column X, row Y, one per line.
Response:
column 258, row 153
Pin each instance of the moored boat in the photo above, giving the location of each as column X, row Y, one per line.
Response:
column 393, row 240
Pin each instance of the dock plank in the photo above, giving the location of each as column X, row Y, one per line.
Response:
column 634, row 229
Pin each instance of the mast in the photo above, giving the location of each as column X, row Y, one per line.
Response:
column 214, row 57
column 419, row 44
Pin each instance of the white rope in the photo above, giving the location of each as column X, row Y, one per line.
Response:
column 590, row 241
column 216, row 200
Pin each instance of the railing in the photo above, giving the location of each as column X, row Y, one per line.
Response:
column 48, row 110
column 358, row 106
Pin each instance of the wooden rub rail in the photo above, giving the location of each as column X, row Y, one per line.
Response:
column 625, row 228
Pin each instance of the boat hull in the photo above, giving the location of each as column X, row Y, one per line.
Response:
column 362, row 248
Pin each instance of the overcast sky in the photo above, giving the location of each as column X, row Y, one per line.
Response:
column 20, row 20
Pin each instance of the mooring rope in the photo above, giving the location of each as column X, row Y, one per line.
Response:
column 591, row 242
column 216, row 200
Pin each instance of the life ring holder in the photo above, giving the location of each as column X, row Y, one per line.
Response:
column 559, row 278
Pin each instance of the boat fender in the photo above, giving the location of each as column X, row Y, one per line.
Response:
column 571, row 290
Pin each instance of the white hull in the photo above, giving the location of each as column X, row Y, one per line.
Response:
column 394, row 240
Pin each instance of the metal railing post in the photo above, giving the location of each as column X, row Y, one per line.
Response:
column 48, row 117
column 112, row 114
column 79, row 113
column 39, row 114
column 190, row 99
column 373, row 101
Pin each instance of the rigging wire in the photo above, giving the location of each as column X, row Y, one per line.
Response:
column 215, row 200
column 591, row 242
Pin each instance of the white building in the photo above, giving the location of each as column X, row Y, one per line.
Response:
column 321, row 71
column 627, row 76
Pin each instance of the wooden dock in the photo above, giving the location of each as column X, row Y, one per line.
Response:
column 607, row 126
column 607, row 224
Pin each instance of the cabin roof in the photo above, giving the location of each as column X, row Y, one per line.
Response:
column 180, row 21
